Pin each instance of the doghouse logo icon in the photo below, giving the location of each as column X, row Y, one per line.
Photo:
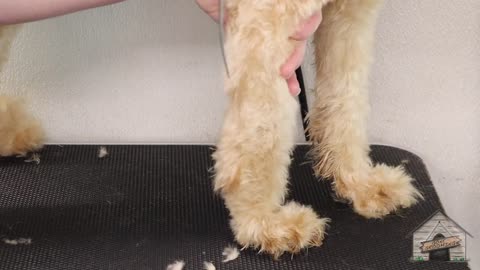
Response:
column 439, row 238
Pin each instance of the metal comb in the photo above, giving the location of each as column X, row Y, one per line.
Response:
column 222, row 34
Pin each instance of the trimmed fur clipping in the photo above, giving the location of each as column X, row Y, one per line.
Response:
column 34, row 158
column 208, row 266
column 19, row 241
column 230, row 253
column 102, row 152
column 177, row 265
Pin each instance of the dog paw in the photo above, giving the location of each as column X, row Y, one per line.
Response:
column 290, row 229
column 19, row 132
column 386, row 190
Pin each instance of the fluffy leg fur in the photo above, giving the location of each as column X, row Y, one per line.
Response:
column 19, row 132
column 338, row 118
column 253, row 154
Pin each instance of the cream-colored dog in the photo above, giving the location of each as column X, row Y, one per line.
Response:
column 253, row 154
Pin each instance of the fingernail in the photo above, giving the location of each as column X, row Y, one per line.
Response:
column 298, row 91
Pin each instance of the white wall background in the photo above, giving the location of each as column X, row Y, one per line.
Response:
column 149, row 72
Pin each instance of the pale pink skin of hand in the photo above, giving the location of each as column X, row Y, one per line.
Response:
column 20, row 11
column 305, row 30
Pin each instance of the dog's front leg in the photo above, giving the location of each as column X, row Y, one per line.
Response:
column 19, row 132
column 337, row 125
column 253, row 154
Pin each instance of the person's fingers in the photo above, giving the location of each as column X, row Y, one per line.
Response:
column 293, row 85
column 21, row 11
column 211, row 7
column 294, row 61
column 308, row 27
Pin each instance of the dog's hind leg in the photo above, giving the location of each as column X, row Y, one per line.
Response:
column 253, row 154
column 337, row 121
column 19, row 132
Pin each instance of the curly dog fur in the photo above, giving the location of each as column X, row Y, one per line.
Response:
column 253, row 153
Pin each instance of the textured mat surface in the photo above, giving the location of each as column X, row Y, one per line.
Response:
column 142, row 207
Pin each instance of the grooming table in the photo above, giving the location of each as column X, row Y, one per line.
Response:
column 143, row 207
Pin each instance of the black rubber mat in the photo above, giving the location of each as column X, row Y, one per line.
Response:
column 143, row 207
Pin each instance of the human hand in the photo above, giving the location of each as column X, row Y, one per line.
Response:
column 211, row 7
column 20, row 11
column 305, row 30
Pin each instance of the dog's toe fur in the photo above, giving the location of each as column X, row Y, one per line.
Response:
column 20, row 133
